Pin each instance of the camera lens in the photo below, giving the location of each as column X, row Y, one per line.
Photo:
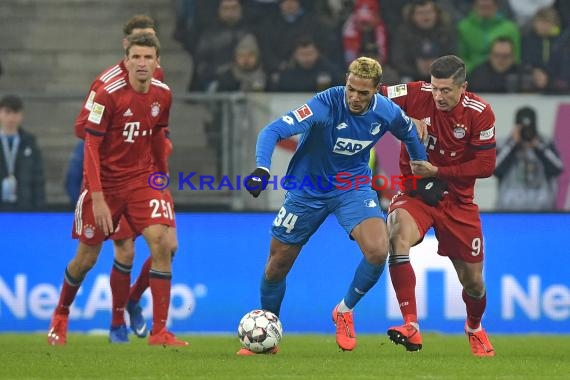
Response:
column 528, row 132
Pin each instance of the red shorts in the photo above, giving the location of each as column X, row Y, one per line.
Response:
column 140, row 208
column 125, row 231
column 457, row 225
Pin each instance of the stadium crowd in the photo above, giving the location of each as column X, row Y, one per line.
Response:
column 508, row 46
column 300, row 45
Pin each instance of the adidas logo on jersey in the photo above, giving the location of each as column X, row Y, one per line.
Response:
column 128, row 113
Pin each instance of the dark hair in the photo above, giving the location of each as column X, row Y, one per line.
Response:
column 303, row 41
column 143, row 39
column 449, row 66
column 138, row 22
column 12, row 102
column 503, row 39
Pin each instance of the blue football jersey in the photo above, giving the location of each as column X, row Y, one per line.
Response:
column 335, row 144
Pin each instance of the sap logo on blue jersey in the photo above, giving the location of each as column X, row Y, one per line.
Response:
column 349, row 146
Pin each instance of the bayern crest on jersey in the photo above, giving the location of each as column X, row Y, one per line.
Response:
column 459, row 131
column 89, row 231
column 155, row 109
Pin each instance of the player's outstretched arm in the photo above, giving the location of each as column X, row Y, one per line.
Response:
column 280, row 129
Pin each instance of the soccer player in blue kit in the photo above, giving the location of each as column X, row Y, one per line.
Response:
column 339, row 126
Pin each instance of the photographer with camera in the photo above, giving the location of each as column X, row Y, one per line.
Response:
column 527, row 167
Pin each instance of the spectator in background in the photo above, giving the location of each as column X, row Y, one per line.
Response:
column 192, row 18
column 308, row 71
column 482, row 26
column 365, row 35
column 559, row 65
column 256, row 10
column 216, row 45
column 279, row 32
column 21, row 164
column 527, row 166
column 459, row 9
column 524, row 10
column 334, row 12
column 392, row 12
column 563, row 8
column 540, row 40
column 501, row 73
column 245, row 73
column 425, row 34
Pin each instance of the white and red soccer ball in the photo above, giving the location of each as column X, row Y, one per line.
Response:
column 259, row 331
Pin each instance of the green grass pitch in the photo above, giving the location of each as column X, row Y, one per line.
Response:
column 27, row 356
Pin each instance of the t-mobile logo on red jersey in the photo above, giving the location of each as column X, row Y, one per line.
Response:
column 131, row 130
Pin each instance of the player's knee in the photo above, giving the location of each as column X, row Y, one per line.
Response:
column 475, row 289
column 158, row 240
column 124, row 255
column 401, row 235
column 473, row 284
column 85, row 259
column 172, row 247
column 86, row 263
column 375, row 251
column 276, row 270
column 398, row 243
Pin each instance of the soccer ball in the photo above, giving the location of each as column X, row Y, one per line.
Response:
column 259, row 331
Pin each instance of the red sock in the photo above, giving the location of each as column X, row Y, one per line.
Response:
column 67, row 295
column 404, row 283
column 66, row 298
column 475, row 309
column 141, row 284
column 160, row 289
column 120, row 284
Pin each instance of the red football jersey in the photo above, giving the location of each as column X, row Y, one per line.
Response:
column 455, row 136
column 124, row 133
column 109, row 75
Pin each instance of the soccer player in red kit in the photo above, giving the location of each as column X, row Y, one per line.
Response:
column 124, row 143
column 461, row 148
column 123, row 295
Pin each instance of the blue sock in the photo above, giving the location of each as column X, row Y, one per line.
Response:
column 365, row 277
column 272, row 294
